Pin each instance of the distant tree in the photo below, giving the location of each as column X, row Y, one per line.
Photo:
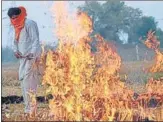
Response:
column 94, row 10
column 146, row 24
column 131, row 23
column 159, row 34
column 107, row 17
column 113, row 17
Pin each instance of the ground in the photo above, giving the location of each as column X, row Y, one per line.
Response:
column 11, row 86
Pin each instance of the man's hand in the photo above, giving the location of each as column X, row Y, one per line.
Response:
column 30, row 56
column 18, row 54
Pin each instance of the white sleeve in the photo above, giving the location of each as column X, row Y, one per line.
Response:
column 15, row 46
column 12, row 38
column 34, row 36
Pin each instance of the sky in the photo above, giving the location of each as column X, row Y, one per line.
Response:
column 149, row 8
column 40, row 12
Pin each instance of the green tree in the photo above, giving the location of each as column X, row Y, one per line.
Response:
column 112, row 17
column 159, row 34
column 94, row 10
column 140, row 28
column 146, row 24
column 132, row 18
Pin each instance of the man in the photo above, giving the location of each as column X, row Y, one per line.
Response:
column 27, row 49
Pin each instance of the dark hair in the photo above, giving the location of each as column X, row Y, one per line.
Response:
column 13, row 11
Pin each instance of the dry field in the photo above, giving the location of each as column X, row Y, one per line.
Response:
column 11, row 87
column 131, row 72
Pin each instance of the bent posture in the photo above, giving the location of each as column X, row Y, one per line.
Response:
column 27, row 49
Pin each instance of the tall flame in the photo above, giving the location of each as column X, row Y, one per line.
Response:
column 152, row 43
column 84, row 84
column 70, row 28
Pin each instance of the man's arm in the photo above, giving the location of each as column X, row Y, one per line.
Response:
column 12, row 38
column 16, row 51
column 15, row 45
column 34, row 36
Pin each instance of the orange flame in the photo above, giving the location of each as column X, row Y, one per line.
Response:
column 153, row 43
column 85, row 85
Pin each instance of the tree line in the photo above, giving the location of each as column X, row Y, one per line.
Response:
column 110, row 19
column 113, row 17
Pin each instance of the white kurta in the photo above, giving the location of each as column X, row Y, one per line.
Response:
column 29, row 76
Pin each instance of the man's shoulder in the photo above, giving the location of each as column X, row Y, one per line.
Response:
column 30, row 22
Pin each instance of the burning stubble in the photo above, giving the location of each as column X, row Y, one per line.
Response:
column 85, row 85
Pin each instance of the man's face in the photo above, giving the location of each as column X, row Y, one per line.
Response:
column 14, row 16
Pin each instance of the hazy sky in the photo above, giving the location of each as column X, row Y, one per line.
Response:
column 39, row 11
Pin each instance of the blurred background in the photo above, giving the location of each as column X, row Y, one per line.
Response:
column 123, row 23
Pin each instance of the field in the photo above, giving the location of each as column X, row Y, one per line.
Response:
column 11, row 87
column 131, row 72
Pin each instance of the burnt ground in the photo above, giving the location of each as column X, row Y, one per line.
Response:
column 19, row 99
